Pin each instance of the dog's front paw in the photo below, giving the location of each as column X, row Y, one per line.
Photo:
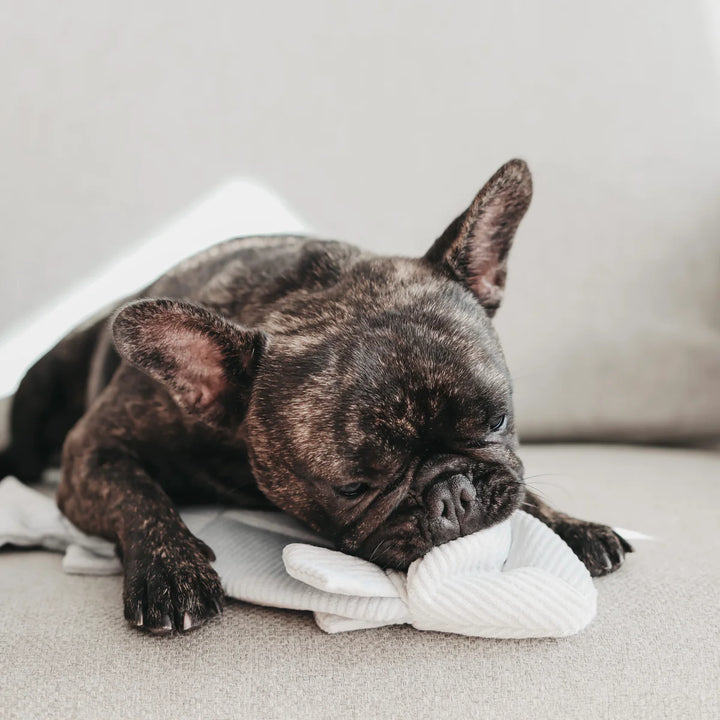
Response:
column 171, row 586
column 600, row 548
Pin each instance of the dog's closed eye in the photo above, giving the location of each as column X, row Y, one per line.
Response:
column 498, row 424
column 352, row 490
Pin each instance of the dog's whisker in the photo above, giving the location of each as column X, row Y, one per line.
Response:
column 540, row 475
column 533, row 489
column 377, row 547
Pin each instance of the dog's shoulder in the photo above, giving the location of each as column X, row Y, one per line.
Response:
column 243, row 272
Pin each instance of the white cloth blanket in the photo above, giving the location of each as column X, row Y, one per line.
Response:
column 515, row 580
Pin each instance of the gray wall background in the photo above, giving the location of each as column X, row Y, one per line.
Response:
column 376, row 120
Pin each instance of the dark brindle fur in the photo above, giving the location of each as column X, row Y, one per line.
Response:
column 368, row 396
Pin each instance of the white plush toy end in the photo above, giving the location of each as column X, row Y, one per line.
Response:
column 517, row 579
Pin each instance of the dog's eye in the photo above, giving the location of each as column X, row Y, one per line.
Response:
column 498, row 424
column 352, row 490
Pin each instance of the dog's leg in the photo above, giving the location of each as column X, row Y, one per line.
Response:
column 600, row 548
column 169, row 582
column 48, row 402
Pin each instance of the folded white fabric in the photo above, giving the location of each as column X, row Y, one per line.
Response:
column 517, row 579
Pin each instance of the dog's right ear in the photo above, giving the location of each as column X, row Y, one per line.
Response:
column 474, row 248
column 205, row 362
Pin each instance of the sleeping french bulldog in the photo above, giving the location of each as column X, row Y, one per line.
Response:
column 367, row 396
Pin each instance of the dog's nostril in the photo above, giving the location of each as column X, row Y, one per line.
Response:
column 439, row 509
column 467, row 495
column 451, row 500
column 446, row 511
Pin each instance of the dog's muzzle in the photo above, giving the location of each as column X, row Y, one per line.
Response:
column 453, row 509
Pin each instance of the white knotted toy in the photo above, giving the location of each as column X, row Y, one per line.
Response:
column 517, row 579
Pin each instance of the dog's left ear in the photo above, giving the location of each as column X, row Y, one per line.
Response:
column 475, row 247
column 206, row 363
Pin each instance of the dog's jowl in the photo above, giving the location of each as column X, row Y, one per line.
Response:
column 367, row 396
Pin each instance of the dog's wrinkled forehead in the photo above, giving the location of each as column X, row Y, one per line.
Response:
column 414, row 383
column 394, row 381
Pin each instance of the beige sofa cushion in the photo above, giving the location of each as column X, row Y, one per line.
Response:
column 652, row 652
column 611, row 321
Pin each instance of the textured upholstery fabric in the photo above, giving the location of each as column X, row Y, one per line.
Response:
column 652, row 652
column 610, row 321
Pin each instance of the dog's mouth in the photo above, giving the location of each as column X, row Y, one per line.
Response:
column 452, row 507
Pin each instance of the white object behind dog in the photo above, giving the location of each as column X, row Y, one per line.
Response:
column 238, row 207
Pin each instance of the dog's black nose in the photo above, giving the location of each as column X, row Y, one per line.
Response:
column 452, row 508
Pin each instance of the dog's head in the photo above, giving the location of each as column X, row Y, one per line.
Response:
column 375, row 404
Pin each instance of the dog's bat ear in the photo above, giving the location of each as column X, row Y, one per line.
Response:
column 475, row 247
column 205, row 362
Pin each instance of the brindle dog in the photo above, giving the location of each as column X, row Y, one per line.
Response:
column 367, row 396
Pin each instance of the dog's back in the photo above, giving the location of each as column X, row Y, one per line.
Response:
column 60, row 386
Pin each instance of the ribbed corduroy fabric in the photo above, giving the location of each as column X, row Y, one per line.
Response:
column 516, row 579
